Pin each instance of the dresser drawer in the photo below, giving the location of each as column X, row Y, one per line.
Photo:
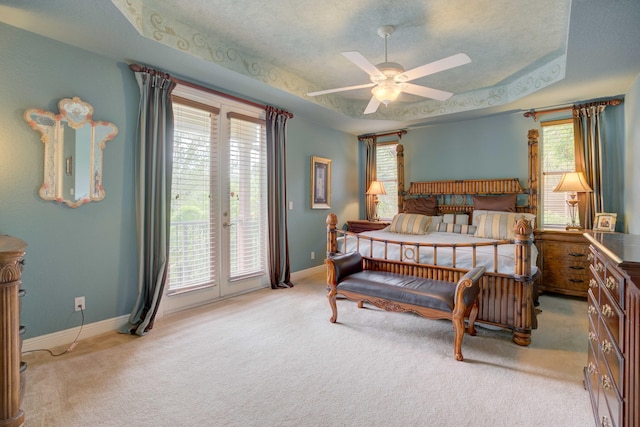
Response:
column 594, row 313
column 614, row 283
column 612, row 317
column 612, row 358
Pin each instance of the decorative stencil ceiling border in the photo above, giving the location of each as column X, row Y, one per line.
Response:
column 163, row 28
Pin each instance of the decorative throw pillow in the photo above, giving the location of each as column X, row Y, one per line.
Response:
column 456, row 228
column 435, row 220
column 506, row 203
column 499, row 225
column 423, row 205
column 409, row 224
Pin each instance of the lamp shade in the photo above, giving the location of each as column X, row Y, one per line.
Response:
column 573, row 182
column 376, row 188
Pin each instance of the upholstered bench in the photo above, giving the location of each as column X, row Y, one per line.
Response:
column 433, row 299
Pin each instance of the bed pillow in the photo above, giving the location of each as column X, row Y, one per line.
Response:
column 409, row 224
column 435, row 220
column 506, row 203
column 423, row 205
column 499, row 225
column 456, row 228
column 456, row 218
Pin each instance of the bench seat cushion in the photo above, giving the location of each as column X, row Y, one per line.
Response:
column 436, row 294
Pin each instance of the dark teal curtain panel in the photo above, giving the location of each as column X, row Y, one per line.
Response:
column 153, row 168
column 279, row 270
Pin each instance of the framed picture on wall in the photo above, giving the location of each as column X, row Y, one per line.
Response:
column 605, row 222
column 320, row 183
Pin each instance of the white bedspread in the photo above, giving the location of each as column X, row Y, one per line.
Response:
column 484, row 254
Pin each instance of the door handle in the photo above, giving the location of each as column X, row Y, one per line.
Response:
column 226, row 224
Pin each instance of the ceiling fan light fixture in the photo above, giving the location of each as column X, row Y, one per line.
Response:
column 386, row 92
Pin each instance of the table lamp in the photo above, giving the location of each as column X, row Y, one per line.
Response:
column 573, row 183
column 376, row 188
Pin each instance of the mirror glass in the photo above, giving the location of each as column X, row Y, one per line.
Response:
column 73, row 145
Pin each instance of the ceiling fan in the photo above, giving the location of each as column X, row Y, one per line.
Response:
column 389, row 79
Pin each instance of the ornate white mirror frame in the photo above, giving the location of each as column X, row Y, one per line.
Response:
column 73, row 145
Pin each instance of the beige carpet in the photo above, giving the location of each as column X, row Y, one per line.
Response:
column 272, row 358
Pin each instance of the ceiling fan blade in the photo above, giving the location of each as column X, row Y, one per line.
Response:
column 372, row 106
column 340, row 89
column 362, row 62
column 437, row 66
column 427, row 92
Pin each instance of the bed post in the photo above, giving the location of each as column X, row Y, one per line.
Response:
column 332, row 244
column 533, row 170
column 523, row 233
column 400, row 166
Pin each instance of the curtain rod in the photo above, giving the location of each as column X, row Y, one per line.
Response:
column 397, row 132
column 141, row 68
column 533, row 113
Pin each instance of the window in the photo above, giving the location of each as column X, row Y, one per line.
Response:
column 557, row 157
column 387, row 173
column 248, row 201
column 192, row 253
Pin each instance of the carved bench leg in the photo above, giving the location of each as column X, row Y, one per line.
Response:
column 522, row 337
column 331, row 296
column 473, row 316
column 458, row 326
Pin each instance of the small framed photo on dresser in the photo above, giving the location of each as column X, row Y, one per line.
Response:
column 605, row 222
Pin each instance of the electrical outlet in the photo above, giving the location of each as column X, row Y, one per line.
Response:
column 79, row 303
column 313, row 255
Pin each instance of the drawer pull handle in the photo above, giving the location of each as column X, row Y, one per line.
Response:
column 606, row 382
column 592, row 336
column 607, row 310
column 591, row 368
column 591, row 309
column 605, row 422
column 575, row 254
column 599, row 267
column 593, row 283
column 611, row 283
column 576, row 281
column 576, row 267
column 590, row 257
column 607, row 347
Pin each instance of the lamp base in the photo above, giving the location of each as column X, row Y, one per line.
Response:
column 573, row 227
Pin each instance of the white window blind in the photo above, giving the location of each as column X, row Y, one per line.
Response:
column 247, row 196
column 387, row 173
column 193, row 224
column 558, row 157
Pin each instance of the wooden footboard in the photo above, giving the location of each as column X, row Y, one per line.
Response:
column 505, row 301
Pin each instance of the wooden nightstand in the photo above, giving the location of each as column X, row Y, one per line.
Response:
column 563, row 261
column 359, row 226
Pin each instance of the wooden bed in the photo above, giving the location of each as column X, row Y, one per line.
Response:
column 505, row 300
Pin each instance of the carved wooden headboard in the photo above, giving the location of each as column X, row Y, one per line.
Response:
column 457, row 195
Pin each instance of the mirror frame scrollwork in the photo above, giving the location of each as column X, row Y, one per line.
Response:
column 73, row 151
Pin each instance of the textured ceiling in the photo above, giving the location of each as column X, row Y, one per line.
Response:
column 525, row 54
column 296, row 46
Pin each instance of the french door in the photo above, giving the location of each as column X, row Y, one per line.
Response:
column 218, row 211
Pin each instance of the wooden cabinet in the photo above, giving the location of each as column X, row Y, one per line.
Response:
column 563, row 263
column 612, row 374
column 359, row 226
column 12, row 372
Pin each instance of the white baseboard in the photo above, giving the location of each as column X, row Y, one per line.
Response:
column 66, row 337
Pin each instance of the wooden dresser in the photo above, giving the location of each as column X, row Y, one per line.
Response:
column 12, row 252
column 562, row 259
column 612, row 374
column 359, row 226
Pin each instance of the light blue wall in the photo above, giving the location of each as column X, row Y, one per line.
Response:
column 494, row 147
column 91, row 251
column 307, row 229
column 632, row 159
